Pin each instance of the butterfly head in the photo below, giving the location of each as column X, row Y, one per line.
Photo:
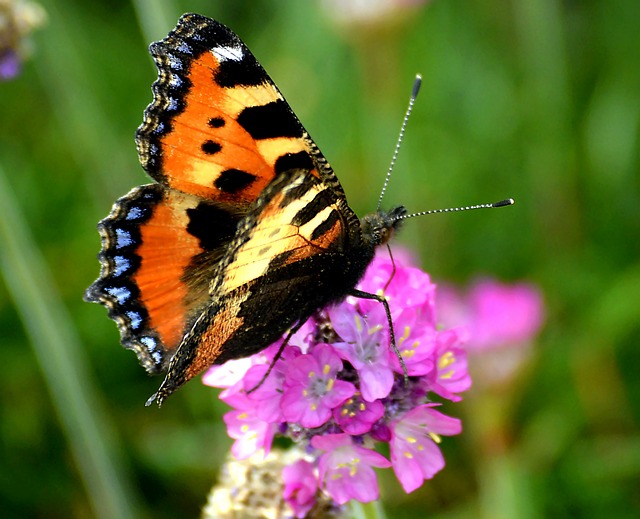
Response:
column 379, row 227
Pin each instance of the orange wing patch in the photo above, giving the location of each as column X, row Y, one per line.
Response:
column 218, row 127
column 206, row 137
column 166, row 250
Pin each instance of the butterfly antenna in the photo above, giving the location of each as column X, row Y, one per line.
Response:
column 501, row 203
column 412, row 100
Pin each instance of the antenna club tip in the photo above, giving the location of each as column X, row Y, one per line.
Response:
column 504, row 203
column 416, row 86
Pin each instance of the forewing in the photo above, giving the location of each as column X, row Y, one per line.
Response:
column 218, row 127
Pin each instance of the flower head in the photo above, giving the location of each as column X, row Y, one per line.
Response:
column 18, row 18
column 346, row 468
column 414, row 451
column 339, row 390
column 300, row 486
column 312, row 388
column 494, row 314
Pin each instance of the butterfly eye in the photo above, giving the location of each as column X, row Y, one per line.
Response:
column 385, row 235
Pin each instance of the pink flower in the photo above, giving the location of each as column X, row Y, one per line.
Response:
column 451, row 374
column 300, row 487
column 365, row 346
column 244, row 426
column 267, row 393
column 17, row 21
column 346, row 469
column 312, row 389
column 494, row 314
column 340, row 386
column 414, row 452
column 415, row 338
column 409, row 287
column 356, row 416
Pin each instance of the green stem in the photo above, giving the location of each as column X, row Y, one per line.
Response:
column 63, row 364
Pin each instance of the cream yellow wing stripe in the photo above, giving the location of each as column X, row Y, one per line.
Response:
column 274, row 234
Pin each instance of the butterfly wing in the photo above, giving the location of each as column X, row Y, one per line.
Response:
column 150, row 240
column 218, row 126
column 296, row 253
column 217, row 134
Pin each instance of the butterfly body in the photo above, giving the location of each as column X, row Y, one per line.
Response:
column 247, row 231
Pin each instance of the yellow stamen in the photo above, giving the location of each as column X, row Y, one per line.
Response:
column 405, row 335
column 446, row 359
column 435, row 437
column 358, row 323
column 375, row 329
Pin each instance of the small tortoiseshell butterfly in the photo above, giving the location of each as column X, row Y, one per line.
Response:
column 246, row 231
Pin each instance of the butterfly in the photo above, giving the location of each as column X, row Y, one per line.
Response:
column 246, row 231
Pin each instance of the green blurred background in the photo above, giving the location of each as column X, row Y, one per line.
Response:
column 538, row 100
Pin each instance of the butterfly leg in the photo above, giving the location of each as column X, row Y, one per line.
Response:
column 278, row 355
column 392, row 335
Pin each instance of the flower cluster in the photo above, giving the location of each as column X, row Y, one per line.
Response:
column 338, row 390
column 498, row 323
column 18, row 18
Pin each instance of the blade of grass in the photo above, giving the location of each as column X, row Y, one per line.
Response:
column 63, row 364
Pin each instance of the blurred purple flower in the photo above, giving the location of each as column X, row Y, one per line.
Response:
column 368, row 12
column 494, row 314
column 9, row 65
column 18, row 18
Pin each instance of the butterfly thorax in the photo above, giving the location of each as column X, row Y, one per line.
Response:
column 379, row 227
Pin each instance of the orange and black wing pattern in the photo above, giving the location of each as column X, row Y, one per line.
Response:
column 246, row 230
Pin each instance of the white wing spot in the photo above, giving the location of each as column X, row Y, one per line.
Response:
column 122, row 264
column 175, row 81
column 134, row 213
column 228, row 53
column 151, row 345
column 183, row 47
column 149, row 342
column 123, row 238
column 135, row 319
column 120, row 293
column 175, row 63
